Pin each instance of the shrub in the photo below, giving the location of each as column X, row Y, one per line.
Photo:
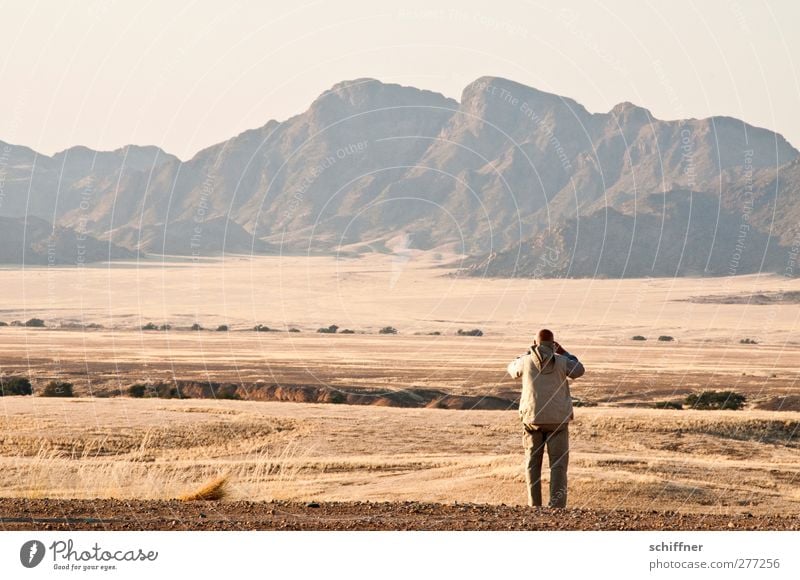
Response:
column 35, row 323
column 714, row 400
column 337, row 397
column 347, row 331
column 228, row 392
column 638, row 337
column 57, row 389
column 3, row 323
column 17, row 323
column 665, row 338
column 748, row 341
column 388, row 330
column 294, row 330
column 15, row 386
column 137, row 391
column 668, row 405
column 473, row 332
column 222, row 328
column 164, row 327
column 163, row 391
column 330, row 330
column 435, row 333
column 262, row 328
column 157, row 390
column 196, row 326
column 150, row 326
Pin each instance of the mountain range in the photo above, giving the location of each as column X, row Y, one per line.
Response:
column 521, row 181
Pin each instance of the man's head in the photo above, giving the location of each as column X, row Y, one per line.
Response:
column 544, row 335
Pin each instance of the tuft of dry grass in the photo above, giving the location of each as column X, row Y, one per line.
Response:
column 213, row 490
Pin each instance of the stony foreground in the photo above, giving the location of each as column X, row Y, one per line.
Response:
column 50, row 514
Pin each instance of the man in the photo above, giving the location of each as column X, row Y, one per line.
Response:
column 545, row 408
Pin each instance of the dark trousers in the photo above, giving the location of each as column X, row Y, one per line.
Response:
column 556, row 438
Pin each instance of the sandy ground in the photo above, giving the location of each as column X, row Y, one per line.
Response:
column 593, row 318
column 409, row 293
column 107, row 362
column 625, row 456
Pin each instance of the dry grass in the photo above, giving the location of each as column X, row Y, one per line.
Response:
column 689, row 461
column 212, row 490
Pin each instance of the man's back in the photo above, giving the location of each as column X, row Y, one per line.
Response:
column 545, row 398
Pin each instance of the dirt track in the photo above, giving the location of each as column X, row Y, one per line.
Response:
column 44, row 514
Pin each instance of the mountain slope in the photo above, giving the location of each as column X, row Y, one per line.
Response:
column 33, row 241
column 489, row 175
column 679, row 233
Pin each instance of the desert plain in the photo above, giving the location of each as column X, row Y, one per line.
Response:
column 627, row 456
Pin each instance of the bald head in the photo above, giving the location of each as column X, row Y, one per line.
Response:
column 545, row 335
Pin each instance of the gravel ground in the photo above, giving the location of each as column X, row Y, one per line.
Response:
column 53, row 514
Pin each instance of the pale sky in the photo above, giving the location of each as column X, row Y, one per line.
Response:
column 184, row 76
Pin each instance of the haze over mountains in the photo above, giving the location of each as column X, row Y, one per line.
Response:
column 524, row 182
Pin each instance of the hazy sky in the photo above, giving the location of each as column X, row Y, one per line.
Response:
column 186, row 75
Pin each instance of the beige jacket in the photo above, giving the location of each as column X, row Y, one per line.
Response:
column 545, row 399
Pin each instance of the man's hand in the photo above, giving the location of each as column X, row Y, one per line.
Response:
column 515, row 368
column 559, row 348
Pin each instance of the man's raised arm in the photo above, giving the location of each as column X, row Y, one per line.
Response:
column 574, row 367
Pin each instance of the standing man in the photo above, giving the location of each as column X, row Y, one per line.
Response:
column 545, row 408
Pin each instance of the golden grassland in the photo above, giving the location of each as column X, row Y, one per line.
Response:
column 691, row 461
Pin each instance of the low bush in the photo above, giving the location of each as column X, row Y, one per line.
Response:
column 137, row 391
column 665, row 338
column 57, row 389
column 196, row 326
column 222, row 328
column 347, row 331
column 3, row 323
column 330, row 330
column 80, row 326
column 716, row 400
column 164, row 391
column 473, row 332
column 228, row 392
column 165, row 327
column 638, row 337
column 15, row 386
column 668, row 405
column 748, row 341
column 294, row 329
column 262, row 328
column 35, row 323
column 388, row 330
column 337, row 397
column 156, row 391
column 149, row 326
